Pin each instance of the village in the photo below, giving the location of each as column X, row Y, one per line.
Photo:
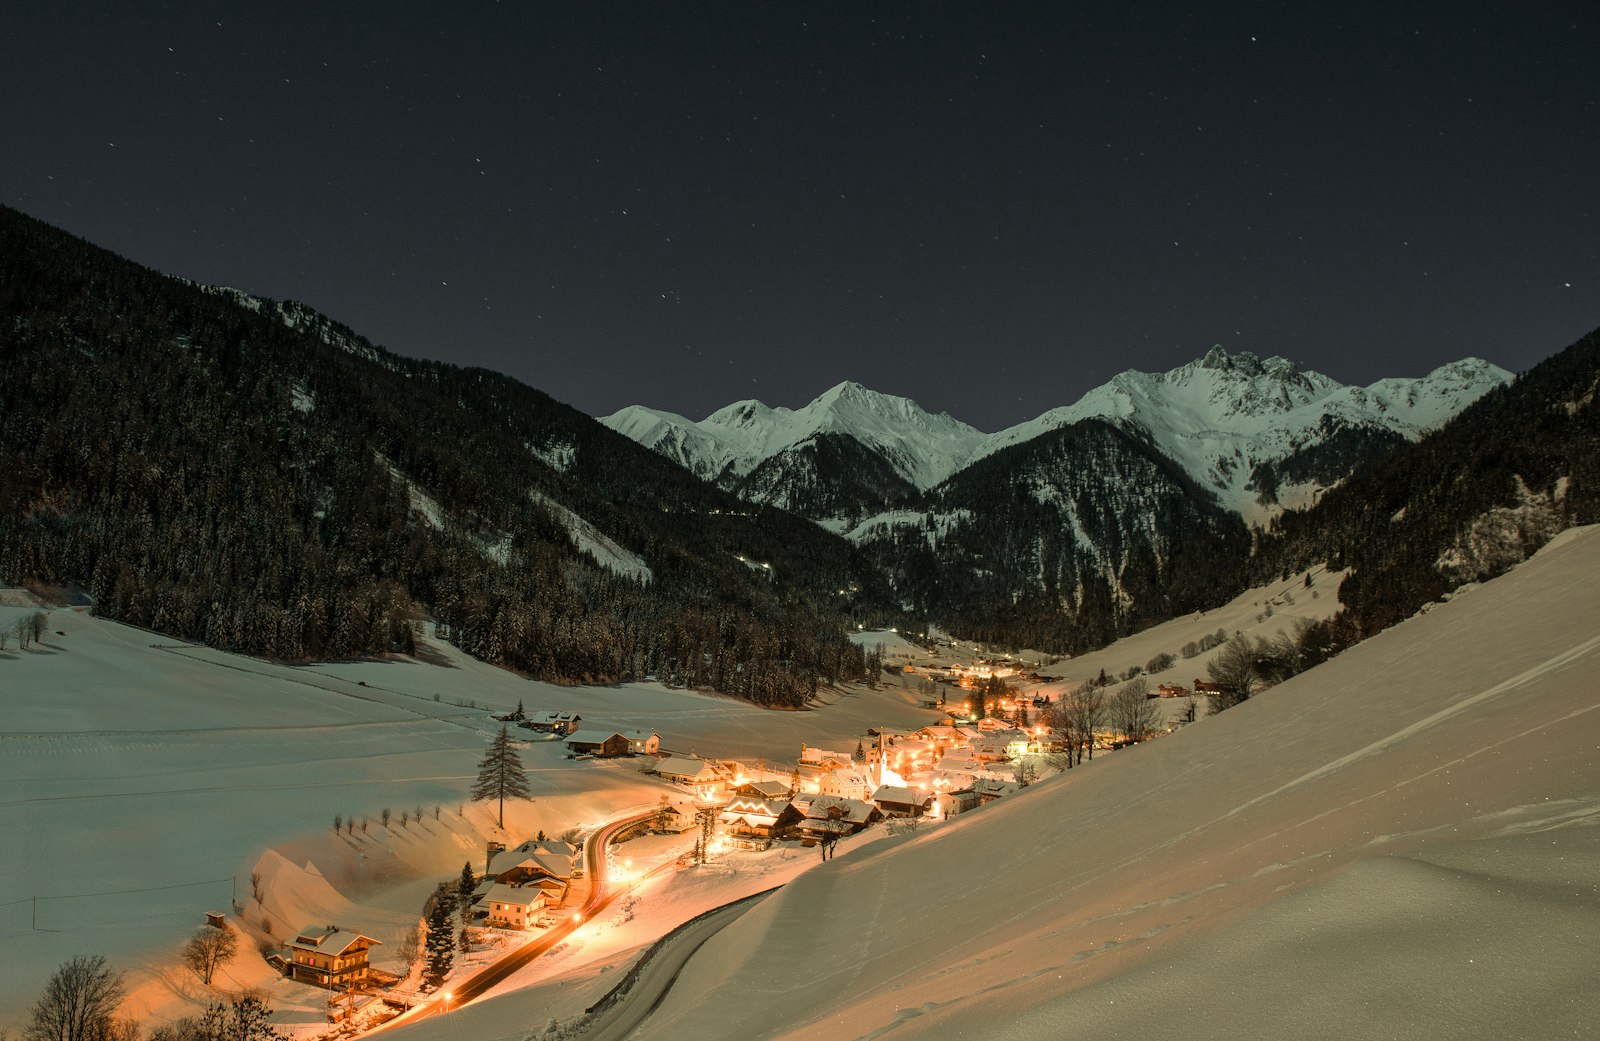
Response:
column 991, row 737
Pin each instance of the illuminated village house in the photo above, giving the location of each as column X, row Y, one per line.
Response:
column 751, row 823
column 511, row 907
column 325, row 956
column 563, row 723
column 700, row 776
column 610, row 744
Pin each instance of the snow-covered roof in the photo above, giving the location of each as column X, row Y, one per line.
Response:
column 327, row 940
column 556, row 846
column 768, row 789
column 817, row 807
column 818, row 755
column 520, row 896
column 761, row 807
column 900, row 796
column 553, row 864
column 593, row 737
column 692, row 769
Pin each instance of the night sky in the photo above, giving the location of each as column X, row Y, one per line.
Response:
column 989, row 211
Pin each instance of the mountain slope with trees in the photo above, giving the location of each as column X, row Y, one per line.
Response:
column 250, row 474
column 1464, row 504
column 1063, row 543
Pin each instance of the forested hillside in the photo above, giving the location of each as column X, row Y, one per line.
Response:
column 221, row 468
column 1462, row 505
column 1064, row 543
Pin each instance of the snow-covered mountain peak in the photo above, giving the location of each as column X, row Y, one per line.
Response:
column 922, row 447
column 1223, row 415
column 741, row 415
column 1222, row 418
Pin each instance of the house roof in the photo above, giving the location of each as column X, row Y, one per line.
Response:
column 695, row 769
column 991, row 786
column 768, row 789
column 760, row 807
column 553, row 864
column 817, row 755
column 557, row 717
column 640, row 735
column 593, row 737
column 826, row 824
column 556, row 846
column 525, row 896
column 327, row 940
column 816, row 807
column 900, row 796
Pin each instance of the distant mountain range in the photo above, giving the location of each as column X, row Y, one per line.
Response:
column 249, row 473
column 1259, row 435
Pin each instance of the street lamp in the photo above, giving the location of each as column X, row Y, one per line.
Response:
column 447, row 1002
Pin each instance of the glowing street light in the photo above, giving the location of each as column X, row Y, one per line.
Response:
column 446, row 995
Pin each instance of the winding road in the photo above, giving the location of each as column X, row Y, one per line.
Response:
column 600, row 896
column 625, row 1009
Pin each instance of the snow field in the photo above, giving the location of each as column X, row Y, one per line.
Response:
column 1399, row 843
column 142, row 780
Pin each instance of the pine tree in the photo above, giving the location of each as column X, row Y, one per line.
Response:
column 500, row 774
column 441, row 945
column 465, row 887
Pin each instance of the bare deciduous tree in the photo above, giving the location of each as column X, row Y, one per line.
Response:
column 1132, row 713
column 208, row 949
column 78, row 1004
column 1080, row 712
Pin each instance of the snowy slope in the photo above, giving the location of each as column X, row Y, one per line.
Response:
column 924, row 448
column 1400, row 843
column 142, row 779
column 1225, row 414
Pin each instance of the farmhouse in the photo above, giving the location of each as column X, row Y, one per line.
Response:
column 671, row 820
column 989, row 789
column 599, row 743
column 754, row 823
column 697, row 774
column 327, row 956
column 764, row 789
column 896, row 801
column 563, row 723
column 533, row 858
column 817, row 761
column 643, row 742
column 844, row 784
column 826, row 815
column 511, row 907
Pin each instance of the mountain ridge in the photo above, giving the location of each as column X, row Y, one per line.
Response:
column 1222, row 417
